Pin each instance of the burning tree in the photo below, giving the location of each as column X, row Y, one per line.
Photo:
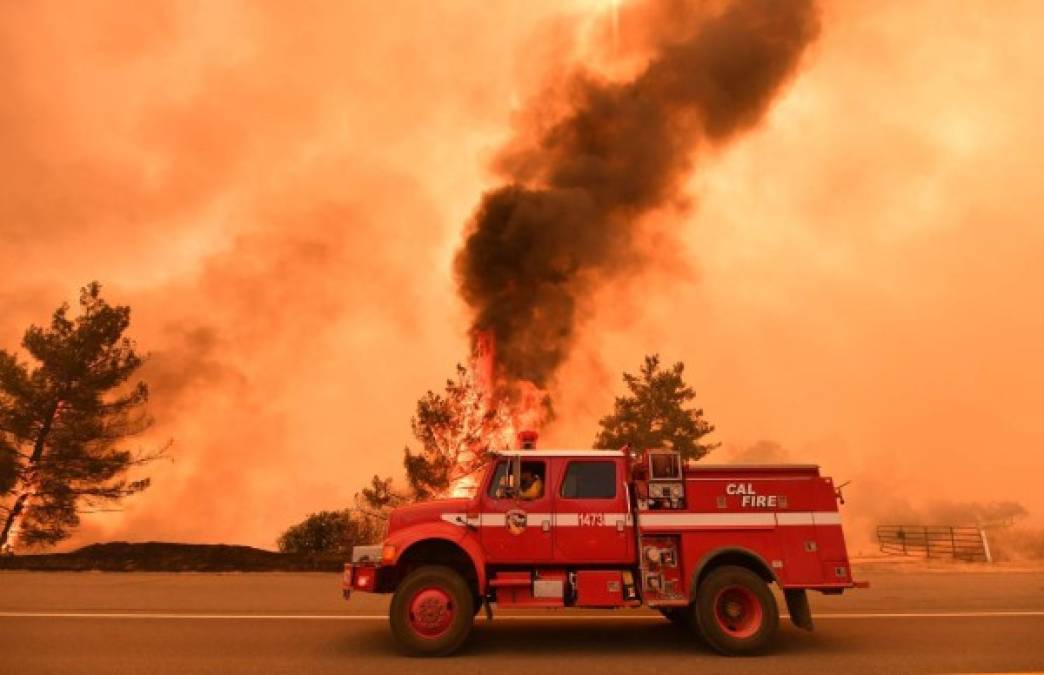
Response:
column 61, row 421
column 654, row 414
column 456, row 430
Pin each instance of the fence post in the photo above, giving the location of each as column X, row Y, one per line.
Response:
column 927, row 542
column 953, row 542
column 985, row 544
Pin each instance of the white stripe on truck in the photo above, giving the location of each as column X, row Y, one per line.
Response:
column 798, row 518
column 706, row 519
column 658, row 520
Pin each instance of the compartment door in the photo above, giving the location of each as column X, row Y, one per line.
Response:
column 798, row 535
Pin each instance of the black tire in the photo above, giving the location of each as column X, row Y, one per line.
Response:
column 735, row 611
column 436, row 591
column 679, row 616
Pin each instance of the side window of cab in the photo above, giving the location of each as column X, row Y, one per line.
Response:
column 589, row 480
column 532, row 481
column 498, row 486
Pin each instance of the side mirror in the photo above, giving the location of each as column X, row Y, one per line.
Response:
column 840, row 495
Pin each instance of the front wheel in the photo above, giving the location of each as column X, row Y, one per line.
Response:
column 736, row 611
column 432, row 611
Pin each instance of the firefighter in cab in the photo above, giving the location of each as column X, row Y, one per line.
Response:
column 532, row 486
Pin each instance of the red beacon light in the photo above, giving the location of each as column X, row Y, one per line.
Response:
column 527, row 439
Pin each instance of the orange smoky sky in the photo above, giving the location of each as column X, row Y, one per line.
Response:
column 279, row 191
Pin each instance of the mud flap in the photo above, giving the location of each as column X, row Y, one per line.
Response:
column 797, row 607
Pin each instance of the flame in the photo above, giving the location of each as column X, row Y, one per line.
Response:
column 495, row 412
column 521, row 403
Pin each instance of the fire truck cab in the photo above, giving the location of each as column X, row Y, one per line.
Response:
column 611, row 529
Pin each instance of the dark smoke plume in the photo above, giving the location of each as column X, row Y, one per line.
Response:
column 573, row 196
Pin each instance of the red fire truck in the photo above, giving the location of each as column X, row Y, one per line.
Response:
column 608, row 529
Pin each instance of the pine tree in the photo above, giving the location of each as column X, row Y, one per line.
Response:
column 654, row 414
column 61, row 422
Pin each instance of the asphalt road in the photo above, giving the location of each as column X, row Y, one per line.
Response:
column 909, row 621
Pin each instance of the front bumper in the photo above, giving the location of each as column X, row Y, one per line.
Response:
column 359, row 577
column 363, row 573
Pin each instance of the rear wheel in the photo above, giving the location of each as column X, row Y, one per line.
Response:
column 432, row 611
column 736, row 611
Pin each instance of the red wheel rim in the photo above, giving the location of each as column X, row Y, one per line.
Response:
column 738, row 611
column 431, row 612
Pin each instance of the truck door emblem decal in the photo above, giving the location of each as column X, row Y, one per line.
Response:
column 515, row 520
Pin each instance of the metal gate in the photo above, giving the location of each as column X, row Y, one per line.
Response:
column 938, row 541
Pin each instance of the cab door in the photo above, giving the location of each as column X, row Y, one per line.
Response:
column 516, row 522
column 592, row 519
